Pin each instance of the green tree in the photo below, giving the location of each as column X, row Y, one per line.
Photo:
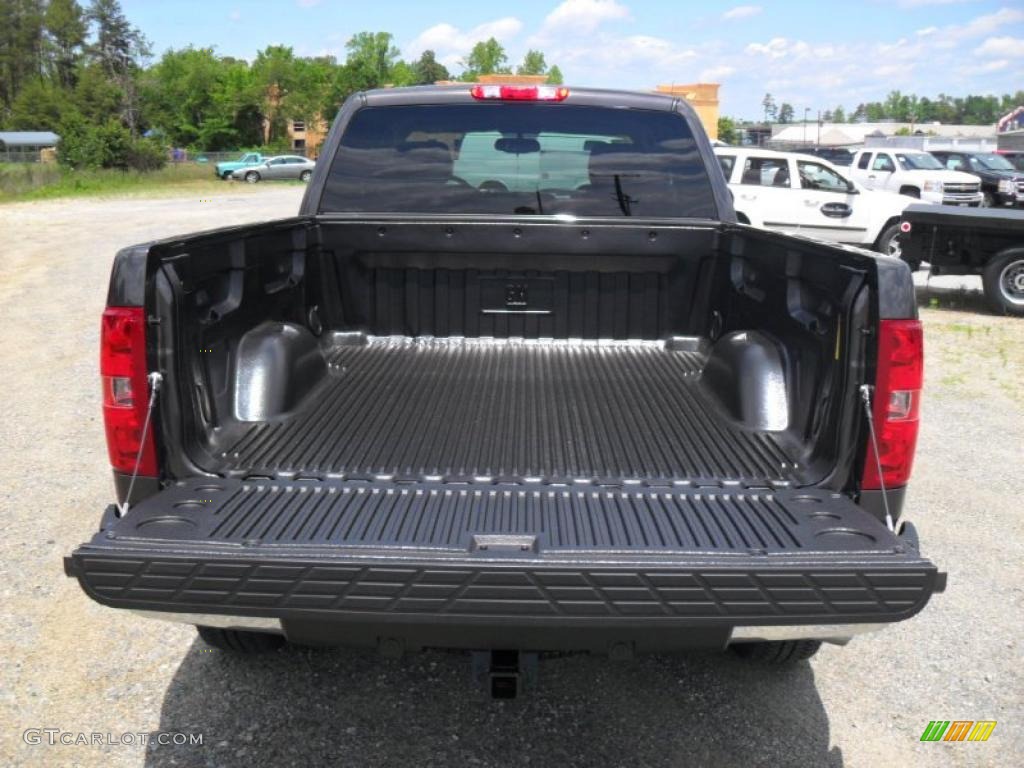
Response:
column 65, row 35
column 786, row 113
column 274, row 76
column 21, row 47
column 108, row 145
column 310, row 96
column 429, row 70
column 197, row 99
column 403, row 73
column 39, row 106
column 727, row 130
column 118, row 45
column 488, row 57
column 369, row 64
column 555, row 76
column 770, row 110
column 533, row 64
column 371, row 56
column 839, row 115
column 95, row 97
column 874, row 112
column 120, row 49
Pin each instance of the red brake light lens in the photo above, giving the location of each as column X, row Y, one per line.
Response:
column 520, row 92
column 897, row 400
column 125, row 389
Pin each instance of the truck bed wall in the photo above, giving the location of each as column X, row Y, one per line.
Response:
column 529, row 282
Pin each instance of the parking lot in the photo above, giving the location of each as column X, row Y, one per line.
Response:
column 73, row 665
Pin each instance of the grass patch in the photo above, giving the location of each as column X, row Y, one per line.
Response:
column 39, row 181
column 971, row 355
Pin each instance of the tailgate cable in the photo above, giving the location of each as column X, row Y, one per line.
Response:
column 865, row 395
column 155, row 380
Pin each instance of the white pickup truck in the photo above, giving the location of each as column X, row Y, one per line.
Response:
column 916, row 174
column 802, row 194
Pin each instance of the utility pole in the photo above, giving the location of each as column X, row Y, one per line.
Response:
column 806, row 110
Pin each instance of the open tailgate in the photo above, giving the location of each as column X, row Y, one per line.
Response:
column 340, row 550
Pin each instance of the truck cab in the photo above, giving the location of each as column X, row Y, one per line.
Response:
column 916, row 174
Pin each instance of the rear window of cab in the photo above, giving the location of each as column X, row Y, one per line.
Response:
column 519, row 158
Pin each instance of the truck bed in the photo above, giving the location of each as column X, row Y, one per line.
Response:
column 553, row 411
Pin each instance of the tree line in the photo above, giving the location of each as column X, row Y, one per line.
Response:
column 906, row 108
column 86, row 73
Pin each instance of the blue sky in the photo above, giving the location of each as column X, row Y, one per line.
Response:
column 810, row 54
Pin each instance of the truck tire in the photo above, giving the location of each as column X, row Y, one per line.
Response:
column 777, row 651
column 889, row 243
column 240, row 641
column 1003, row 280
column 988, row 200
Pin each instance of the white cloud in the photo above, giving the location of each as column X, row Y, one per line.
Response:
column 452, row 44
column 741, row 12
column 716, row 74
column 655, row 50
column 987, row 24
column 994, row 66
column 598, row 42
column 582, row 16
column 606, row 56
column 235, row 15
column 307, row 3
column 891, row 70
column 779, row 48
column 1011, row 47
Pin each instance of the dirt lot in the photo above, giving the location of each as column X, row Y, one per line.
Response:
column 73, row 665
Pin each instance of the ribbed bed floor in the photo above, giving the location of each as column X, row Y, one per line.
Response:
column 509, row 410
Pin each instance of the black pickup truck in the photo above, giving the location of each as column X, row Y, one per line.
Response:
column 514, row 381
column 1001, row 183
column 955, row 241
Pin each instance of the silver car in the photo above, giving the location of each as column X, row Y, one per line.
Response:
column 281, row 167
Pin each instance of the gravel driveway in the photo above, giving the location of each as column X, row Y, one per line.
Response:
column 70, row 664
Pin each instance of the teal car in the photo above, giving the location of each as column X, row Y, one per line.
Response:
column 225, row 169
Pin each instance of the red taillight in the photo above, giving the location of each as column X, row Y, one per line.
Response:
column 520, row 92
column 125, row 389
column 897, row 400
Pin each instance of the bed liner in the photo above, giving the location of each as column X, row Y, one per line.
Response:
column 426, row 408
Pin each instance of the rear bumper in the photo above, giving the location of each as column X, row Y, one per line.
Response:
column 838, row 634
column 506, row 567
column 417, row 603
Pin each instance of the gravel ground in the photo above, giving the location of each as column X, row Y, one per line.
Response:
column 70, row 664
